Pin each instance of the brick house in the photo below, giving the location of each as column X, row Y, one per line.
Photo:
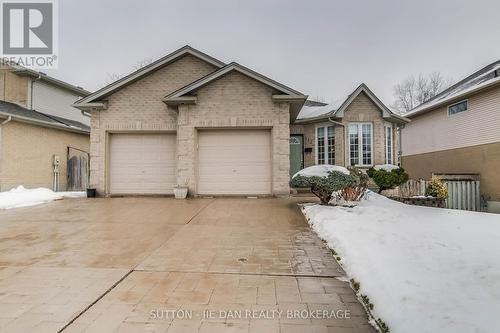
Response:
column 358, row 130
column 222, row 129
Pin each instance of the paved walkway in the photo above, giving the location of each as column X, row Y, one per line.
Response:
column 162, row 265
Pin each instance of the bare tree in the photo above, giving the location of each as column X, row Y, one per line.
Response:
column 414, row 91
column 112, row 77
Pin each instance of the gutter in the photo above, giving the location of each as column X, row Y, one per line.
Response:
column 41, row 123
column 31, row 92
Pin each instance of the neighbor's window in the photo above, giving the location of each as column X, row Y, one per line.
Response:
column 325, row 145
column 360, row 143
column 458, row 107
column 388, row 144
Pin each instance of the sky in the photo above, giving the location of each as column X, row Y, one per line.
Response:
column 324, row 49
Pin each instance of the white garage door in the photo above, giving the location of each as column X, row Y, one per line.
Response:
column 142, row 163
column 234, row 162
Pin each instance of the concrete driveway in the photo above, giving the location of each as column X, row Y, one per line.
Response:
column 162, row 265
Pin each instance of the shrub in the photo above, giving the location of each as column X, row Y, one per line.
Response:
column 387, row 180
column 436, row 188
column 349, row 187
column 323, row 187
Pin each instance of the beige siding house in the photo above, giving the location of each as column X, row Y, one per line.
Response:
column 37, row 125
column 457, row 133
column 222, row 129
column 357, row 131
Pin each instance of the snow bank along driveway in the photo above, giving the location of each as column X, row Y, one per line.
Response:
column 424, row 269
column 22, row 197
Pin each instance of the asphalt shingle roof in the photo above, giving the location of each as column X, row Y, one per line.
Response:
column 17, row 110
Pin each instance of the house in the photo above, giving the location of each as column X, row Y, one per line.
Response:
column 358, row 130
column 38, row 128
column 457, row 133
column 222, row 129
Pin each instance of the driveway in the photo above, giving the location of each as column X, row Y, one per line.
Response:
column 164, row 265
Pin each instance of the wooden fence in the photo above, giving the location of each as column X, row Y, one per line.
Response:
column 78, row 173
column 462, row 194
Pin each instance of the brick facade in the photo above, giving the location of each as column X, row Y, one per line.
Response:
column 232, row 101
column 362, row 109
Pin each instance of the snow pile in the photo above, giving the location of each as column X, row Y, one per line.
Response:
column 22, row 197
column 425, row 269
column 386, row 167
column 321, row 170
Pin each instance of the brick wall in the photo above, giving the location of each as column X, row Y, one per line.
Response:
column 231, row 101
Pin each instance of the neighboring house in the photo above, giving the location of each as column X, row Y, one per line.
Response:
column 356, row 131
column 38, row 124
column 222, row 129
column 458, row 133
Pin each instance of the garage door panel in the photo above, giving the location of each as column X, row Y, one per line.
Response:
column 142, row 163
column 234, row 162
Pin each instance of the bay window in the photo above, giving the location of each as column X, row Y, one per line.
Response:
column 325, row 144
column 360, row 144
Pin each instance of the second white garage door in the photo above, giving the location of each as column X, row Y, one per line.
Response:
column 142, row 163
column 234, row 162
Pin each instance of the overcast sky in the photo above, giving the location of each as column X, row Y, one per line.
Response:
column 321, row 48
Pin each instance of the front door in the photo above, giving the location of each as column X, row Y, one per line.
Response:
column 296, row 153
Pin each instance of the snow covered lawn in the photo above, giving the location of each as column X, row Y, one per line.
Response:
column 424, row 269
column 22, row 197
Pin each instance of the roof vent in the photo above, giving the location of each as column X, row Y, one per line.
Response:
column 497, row 72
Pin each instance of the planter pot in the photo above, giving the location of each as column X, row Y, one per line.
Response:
column 180, row 192
column 91, row 193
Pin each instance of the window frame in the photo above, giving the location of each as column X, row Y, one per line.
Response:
column 388, row 129
column 466, row 101
column 325, row 127
column 360, row 143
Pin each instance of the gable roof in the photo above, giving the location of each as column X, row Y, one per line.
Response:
column 22, row 114
column 225, row 70
column 482, row 79
column 142, row 72
column 337, row 108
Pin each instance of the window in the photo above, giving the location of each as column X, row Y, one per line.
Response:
column 360, row 143
column 458, row 107
column 388, row 144
column 325, row 145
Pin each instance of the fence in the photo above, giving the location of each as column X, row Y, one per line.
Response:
column 462, row 194
column 78, row 173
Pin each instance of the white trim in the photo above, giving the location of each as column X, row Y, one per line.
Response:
column 360, row 143
column 460, row 102
column 325, row 139
column 386, row 146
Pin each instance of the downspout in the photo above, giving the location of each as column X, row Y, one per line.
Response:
column 345, row 138
column 31, row 92
column 400, row 150
column 1, row 145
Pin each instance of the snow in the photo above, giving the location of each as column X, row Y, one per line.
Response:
column 425, row 269
column 386, row 167
column 321, row 170
column 476, row 83
column 22, row 197
column 308, row 112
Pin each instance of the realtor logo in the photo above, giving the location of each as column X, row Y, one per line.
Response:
column 29, row 33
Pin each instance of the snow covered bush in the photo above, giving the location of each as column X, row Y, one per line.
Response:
column 387, row 180
column 437, row 189
column 340, row 184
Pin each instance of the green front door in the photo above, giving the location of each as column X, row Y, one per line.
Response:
column 296, row 154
